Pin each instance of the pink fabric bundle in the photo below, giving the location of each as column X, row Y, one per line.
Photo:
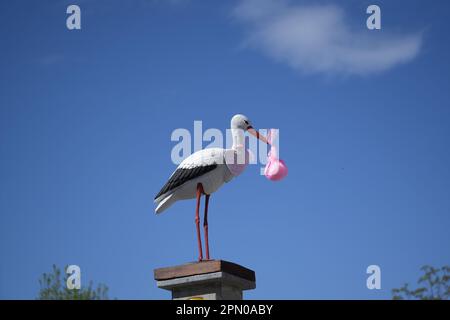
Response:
column 275, row 169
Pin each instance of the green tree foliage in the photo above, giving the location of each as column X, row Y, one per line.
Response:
column 434, row 284
column 53, row 287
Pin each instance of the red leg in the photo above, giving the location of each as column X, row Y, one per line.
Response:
column 205, row 226
column 197, row 221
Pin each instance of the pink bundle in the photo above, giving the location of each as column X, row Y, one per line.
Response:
column 275, row 169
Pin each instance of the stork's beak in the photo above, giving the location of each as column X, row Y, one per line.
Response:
column 255, row 133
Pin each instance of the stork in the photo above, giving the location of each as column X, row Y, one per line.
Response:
column 204, row 172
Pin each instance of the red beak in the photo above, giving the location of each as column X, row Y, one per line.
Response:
column 255, row 133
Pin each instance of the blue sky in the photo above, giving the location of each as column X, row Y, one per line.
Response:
column 86, row 118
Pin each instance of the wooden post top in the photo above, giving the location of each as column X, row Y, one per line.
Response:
column 202, row 267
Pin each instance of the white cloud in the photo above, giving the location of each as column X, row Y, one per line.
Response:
column 317, row 38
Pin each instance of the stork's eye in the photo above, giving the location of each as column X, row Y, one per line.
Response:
column 246, row 122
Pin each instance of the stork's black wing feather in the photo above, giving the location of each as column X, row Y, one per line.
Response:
column 182, row 175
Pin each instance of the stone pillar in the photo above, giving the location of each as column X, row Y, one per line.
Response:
column 206, row 280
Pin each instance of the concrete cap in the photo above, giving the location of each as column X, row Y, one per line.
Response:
column 204, row 267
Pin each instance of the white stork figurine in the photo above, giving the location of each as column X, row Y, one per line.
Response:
column 204, row 172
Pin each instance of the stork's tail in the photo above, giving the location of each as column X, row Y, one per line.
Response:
column 164, row 203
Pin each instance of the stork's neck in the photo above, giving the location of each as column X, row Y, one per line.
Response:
column 238, row 138
column 238, row 158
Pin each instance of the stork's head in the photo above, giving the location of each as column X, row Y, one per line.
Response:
column 239, row 121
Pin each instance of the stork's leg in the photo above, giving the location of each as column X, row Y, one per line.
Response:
column 197, row 221
column 205, row 226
